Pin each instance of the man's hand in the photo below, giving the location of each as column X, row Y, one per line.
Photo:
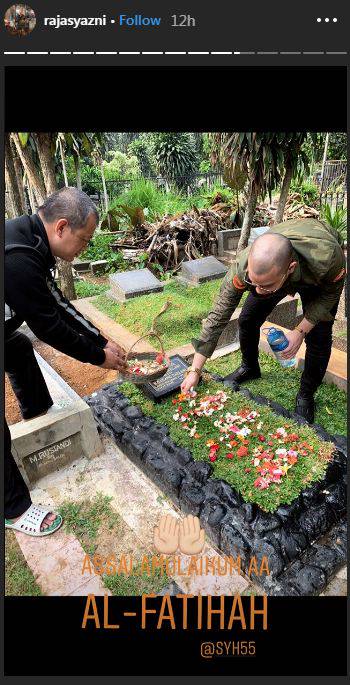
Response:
column 190, row 381
column 116, row 349
column 113, row 361
column 295, row 338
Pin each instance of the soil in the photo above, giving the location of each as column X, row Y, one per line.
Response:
column 83, row 378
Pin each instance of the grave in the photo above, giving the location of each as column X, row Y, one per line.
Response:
column 228, row 240
column 198, row 271
column 49, row 442
column 170, row 382
column 304, row 541
column 134, row 283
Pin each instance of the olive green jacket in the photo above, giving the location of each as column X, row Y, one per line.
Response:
column 317, row 249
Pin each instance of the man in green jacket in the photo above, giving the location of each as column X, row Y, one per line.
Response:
column 303, row 256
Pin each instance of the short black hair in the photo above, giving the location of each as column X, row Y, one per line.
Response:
column 71, row 204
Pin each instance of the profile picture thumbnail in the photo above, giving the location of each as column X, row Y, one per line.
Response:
column 20, row 20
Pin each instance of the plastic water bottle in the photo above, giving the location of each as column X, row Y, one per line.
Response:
column 278, row 342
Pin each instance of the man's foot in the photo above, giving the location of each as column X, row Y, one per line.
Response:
column 305, row 407
column 47, row 522
column 243, row 374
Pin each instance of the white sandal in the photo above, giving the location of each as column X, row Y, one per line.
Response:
column 30, row 522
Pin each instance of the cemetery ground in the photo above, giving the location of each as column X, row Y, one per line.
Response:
column 90, row 493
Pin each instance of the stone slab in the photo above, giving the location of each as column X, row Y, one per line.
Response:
column 99, row 267
column 134, row 283
column 65, row 433
column 198, row 271
column 81, row 266
column 228, row 240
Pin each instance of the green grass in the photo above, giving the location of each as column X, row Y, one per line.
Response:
column 86, row 289
column 92, row 521
column 137, row 583
column 183, row 321
column 87, row 518
column 282, row 386
column 307, row 469
column 178, row 325
column 19, row 580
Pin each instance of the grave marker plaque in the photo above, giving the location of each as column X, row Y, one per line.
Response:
column 170, row 382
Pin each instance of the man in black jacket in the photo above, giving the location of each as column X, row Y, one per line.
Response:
column 62, row 228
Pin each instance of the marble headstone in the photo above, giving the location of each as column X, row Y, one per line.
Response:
column 198, row 271
column 134, row 283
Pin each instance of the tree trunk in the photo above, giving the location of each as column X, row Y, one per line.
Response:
column 77, row 170
column 284, row 194
column 20, row 181
column 33, row 206
column 105, row 194
column 324, row 159
column 66, row 279
column 11, row 181
column 63, row 161
column 248, row 217
column 44, row 143
column 33, row 175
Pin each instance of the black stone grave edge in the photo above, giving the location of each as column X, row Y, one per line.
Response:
column 297, row 573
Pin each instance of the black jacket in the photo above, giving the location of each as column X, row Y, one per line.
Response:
column 32, row 295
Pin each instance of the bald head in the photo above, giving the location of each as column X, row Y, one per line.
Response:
column 270, row 252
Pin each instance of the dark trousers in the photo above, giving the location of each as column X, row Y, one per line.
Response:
column 34, row 398
column 25, row 376
column 17, row 497
column 256, row 310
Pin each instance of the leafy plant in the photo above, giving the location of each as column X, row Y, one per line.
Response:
column 121, row 166
column 337, row 218
column 308, row 191
column 175, row 157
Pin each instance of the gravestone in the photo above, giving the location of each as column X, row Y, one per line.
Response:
column 134, row 283
column 228, row 240
column 99, row 267
column 198, row 271
column 170, row 382
column 81, row 266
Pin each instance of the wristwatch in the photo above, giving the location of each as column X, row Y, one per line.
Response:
column 197, row 371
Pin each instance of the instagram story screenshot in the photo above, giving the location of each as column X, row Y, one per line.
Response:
column 174, row 342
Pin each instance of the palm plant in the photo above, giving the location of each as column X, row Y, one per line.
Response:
column 174, row 157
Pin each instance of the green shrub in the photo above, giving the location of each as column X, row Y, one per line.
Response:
column 121, row 166
column 337, row 218
column 175, row 157
column 308, row 191
column 99, row 248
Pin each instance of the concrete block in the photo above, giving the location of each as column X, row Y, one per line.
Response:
column 50, row 442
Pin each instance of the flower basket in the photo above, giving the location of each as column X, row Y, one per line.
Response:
column 147, row 359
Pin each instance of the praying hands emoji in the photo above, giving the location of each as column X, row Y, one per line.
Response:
column 187, row 535
column 166, row 535
column 191, row 536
